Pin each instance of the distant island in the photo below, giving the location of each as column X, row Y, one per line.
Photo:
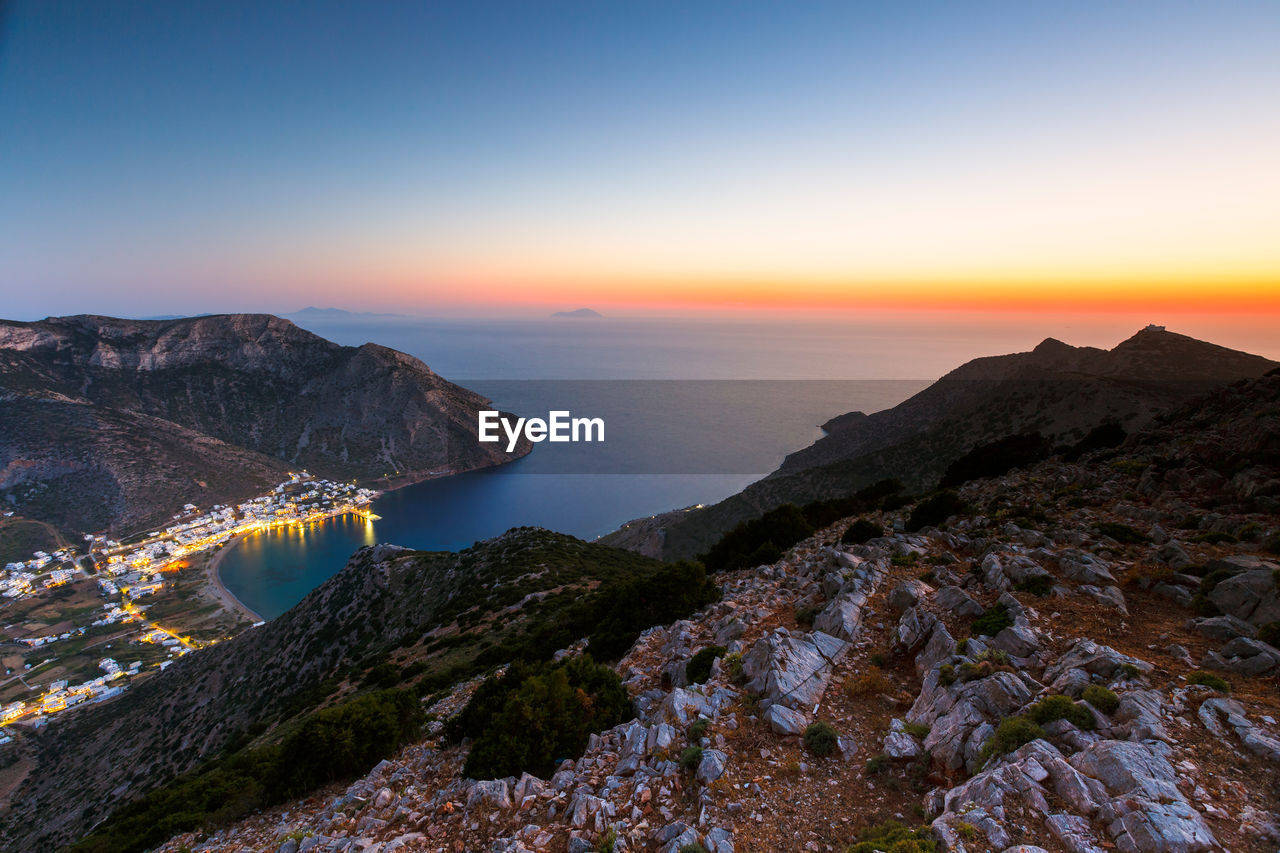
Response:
column 580, row 314
column 313, row 313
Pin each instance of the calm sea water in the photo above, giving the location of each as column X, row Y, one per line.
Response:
column 671, row 440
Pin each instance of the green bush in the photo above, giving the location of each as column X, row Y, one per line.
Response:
column 997, row 458
column 916, row 730
column 1122, row 533
column 861, row 531
column 1102, row 698
column 733, row 666
column 690, row 758
column 698, row 729
column 992, row 622
column 935, row 510
column 1012, row 733
column 537, row 714
column 820, row 738
column 1270, row 634
column 698, row 669
column 1208, row 679
column 877, row 764
column 1059, row 707
column 620, row 612
column 693, row 847
column 1038, row 585
column 328, row 745
column 806, row 615
column 608, row 842
column 893, row 837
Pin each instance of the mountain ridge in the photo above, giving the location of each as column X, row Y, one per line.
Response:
column 276, row 396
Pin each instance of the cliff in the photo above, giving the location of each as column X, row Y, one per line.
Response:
column 110, row 424
column 1057, row 390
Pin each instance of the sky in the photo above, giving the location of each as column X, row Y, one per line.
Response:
column 1093, row 158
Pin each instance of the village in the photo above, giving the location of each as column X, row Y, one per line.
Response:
column 70, row 610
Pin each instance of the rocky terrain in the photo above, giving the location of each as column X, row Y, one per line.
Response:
column 112, row 424
column 1057, row 390
column 1080, row 661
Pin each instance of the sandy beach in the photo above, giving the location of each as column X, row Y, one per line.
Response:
column 218, row 590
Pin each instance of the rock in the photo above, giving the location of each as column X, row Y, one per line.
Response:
column 1111, row 596
column 1074, row 832
column 1245, row 656
column 719, row 841
column 1224, row 627
column 1149, row 811
column 1251, row 596
column 1085, row 568
column 712, row 766
column 792, row 671
column 909, row 593
column 1179, row 595
column 785, row 721
column 1017, row 640
column 959, row 602
column 901, row 746
column 493, row 793
column 1094, row 659
column 1173, row 555
column 842, row 617
column 914, row 628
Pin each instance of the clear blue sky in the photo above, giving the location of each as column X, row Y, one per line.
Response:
column 161, row 157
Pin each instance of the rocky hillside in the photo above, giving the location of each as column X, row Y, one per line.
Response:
column 391, row 616
column 1057, row 390
column 1083, row 660
column 111, row 424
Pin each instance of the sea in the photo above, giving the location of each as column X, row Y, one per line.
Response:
column 694, row 410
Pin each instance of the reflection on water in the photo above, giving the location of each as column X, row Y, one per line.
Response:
column 282, row 565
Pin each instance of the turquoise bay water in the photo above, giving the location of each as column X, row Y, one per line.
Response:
column 670, row 441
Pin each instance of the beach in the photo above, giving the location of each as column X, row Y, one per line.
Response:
column 217, row 590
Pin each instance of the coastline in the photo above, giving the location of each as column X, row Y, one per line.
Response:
column 214, row 585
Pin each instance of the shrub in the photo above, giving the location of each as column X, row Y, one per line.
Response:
column 908, row 559
column 1129, row 670
column 861, row 531
column 1215, row 537
column 1270, row 634
column 935, row 510
column 698, row 729
column 620, row 611
column 1102, row 698
column 690, row 758
column 1059, row 707
column 1012, row 733
column 733, row 666
column 820, row 738
column 751, row 542
column 693, row 847
column 329, row 745
column 992, row 622
column 806, row 615
column 1037, row 585
column 893, row 836
column 868, row 684
column 997, row 458
column 878, row 659
column 947, row 674
column 1122, row 533
column 536, row 714
column 1208, row 679
column 698, row 669
column 916, row 730
column 608, row 842
column 877, row 764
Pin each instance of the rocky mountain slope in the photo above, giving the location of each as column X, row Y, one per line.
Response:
column 1081, row 661
column 1057, row 390
column 418, row 618
column 111, row 424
